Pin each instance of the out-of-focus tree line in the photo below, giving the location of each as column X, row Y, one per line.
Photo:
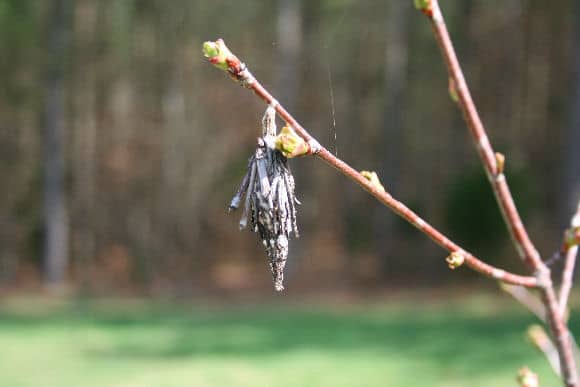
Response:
column 120, row 148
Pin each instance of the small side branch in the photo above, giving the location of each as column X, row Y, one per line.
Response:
column 570, row 249
column 492, row 162
column 219, row 55
column 527, row 299
column 540, row 339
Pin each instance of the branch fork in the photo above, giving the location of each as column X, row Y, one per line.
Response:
column 296, row 141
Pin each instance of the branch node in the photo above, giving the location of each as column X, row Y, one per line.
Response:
column 543, row 277
column 498, row 274
column 244, row 77
column 274, row 103
column 315, row 146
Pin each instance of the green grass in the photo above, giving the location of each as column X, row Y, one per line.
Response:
column 475, row 343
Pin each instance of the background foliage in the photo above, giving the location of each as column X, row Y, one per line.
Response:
column 155, row 140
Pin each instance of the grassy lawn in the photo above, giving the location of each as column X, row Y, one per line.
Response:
column 475, row 343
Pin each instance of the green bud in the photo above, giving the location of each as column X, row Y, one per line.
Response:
column 453, row 90
column 217, row 53
column 572, row 237
column 374, row 179
column 421, row 4
column 527, row 378
column 210, row 49
column 290, row 143
column 500, row 162
column 455, row 259
column 424, row 6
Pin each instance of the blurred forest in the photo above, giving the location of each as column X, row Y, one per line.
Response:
column 120, row 147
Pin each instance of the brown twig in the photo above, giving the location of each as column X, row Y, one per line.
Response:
column 540, row 339
column 494, row 170
column 494, row 164
column 571, row 251
column 527, row 299
column 220, row 56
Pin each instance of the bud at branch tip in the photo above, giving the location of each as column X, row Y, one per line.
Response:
column 217, row 53
column 425, row 6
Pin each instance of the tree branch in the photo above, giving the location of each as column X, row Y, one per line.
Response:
column 489, row 158
column 540, row 339
column 493, row 164
column 527, row 299
column 570, row 248
column 221, row 57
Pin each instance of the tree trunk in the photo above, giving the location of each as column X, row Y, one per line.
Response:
column 571, row 136
column 56, row 230
column 289, row 38
column 389, row 146
column 84, row 152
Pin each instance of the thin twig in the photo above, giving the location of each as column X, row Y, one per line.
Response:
column 569, row 263
column 494, row 170
column 494, row 164
column 239, row 72
column 542, row 342
column 527, row 299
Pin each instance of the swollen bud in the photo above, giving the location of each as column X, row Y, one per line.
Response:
column 455, row 259
column 217, row 53
column 453, row 90
column 374, row 179
column 424, row 6
column 500, row 162
column 527, row 378
column 291, row 144
column 572, row 237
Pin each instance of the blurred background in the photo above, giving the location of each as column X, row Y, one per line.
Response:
column 120, row 149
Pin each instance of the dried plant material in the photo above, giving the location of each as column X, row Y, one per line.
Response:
column 270, row 203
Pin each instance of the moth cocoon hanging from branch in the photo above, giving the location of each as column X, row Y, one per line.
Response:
column 268, row 193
